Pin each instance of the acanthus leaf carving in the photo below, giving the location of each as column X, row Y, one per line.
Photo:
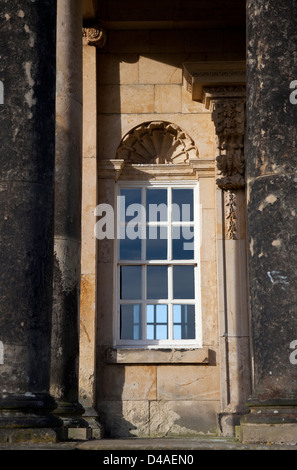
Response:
column 229, row 118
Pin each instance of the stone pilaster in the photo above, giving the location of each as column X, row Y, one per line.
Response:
column 27, row 116
column 227, row 104
column 67, row 238
column 221, row 87
column 272, row 207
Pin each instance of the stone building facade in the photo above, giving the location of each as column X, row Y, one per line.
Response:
column 186, row 103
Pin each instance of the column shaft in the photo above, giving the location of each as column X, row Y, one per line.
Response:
column 272, row 208
column 27, row 71
column 67, row 238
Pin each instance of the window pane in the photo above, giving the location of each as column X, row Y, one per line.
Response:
column 131, row 282
column 130, row 322
column 183, row 242
column 156, row 205
column 132, row 196
column 150, row 313
column 161, row 332
column 130, row 249
column 156, row 243
column 161, row 313
column 183, row 282
column 157, row 282
column 183, row 322
column 157, row 318
column 184, row 201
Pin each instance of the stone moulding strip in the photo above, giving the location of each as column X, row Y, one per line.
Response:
column 195, row 169
column 157, row 356
column 110, row 169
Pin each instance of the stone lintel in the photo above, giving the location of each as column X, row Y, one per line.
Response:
column 157, row 356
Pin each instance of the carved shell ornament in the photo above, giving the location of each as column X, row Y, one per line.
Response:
column 157, row 142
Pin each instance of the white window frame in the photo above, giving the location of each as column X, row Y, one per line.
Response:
column 169, row 343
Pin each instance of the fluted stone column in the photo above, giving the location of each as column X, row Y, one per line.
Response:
column 27, row 123
column 272, row 225
column 67, row 239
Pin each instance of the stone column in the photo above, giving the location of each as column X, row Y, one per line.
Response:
column 272, row 208
column 67, row 238
column 27, row 115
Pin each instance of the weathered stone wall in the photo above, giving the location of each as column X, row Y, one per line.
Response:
column 140, row 78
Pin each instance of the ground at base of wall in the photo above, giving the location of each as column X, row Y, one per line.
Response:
column 149, row 444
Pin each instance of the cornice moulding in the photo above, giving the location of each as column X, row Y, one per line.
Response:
column 110, row 169
column 227, row 78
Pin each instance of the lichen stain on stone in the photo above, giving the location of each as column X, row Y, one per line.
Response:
column 268, row 200
column 30, row 94
column 32, row 38
column 276, row 243
column 252, row 247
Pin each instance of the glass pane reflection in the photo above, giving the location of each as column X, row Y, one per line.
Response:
column 131, row 282
column 130, row 249
column 156, row 243
column 132, row 196
column 156, row 205
column 157, row 319
column 183, row 201
column 183, row 322
column 182, row 242
column 131, row 322
column 157, row 282
column 183, row 282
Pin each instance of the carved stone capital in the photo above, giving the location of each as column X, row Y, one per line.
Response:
column 228, row 115
column 94, row 36
column 221, row 87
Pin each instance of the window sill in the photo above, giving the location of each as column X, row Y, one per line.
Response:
column 157, row 356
